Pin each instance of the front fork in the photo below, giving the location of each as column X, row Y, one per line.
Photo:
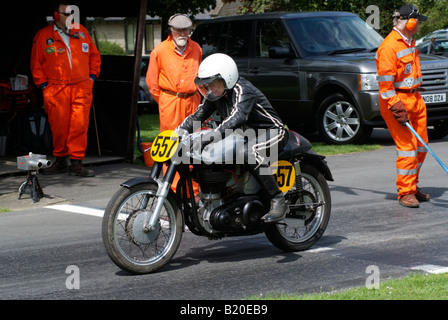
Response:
column 164, row 185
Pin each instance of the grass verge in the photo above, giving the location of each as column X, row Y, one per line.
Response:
column 413, row 287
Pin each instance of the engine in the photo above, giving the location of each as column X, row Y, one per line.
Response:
column 229, row 200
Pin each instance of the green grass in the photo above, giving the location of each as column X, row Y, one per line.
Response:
column 149, row 128
column 413, row 287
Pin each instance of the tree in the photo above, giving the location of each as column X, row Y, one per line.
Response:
column 166, row 8
column 386, row 7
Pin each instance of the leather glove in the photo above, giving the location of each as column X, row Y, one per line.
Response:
column 200, row 142
column 400, row 113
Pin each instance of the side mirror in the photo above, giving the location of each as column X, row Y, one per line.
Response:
column 280, row 52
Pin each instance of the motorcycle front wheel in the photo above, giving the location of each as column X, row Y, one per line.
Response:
column 128, row 244
column 310, row 207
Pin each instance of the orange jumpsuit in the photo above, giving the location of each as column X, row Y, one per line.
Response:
column 170, row 79
column 170, row 73
column 399, row 76
column 68, row 94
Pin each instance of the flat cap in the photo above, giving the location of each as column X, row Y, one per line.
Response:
column 180, row 21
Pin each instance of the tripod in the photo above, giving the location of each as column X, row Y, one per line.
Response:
column 33, row 184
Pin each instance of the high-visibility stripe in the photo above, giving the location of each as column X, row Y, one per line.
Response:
column 388, row 94
column 422, row 149
column 406, row 172
column 404, row 84
column 402, row 153
column 405, row 52
column 385, row 78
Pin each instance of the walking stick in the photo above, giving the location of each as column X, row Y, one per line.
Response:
column 426, row 146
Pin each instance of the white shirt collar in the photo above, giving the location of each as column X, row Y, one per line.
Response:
column 408, row 40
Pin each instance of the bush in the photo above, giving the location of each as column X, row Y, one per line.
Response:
column 109, row 48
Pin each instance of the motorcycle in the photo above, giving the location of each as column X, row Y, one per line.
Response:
column 144, row 221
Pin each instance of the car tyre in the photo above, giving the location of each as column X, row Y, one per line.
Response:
column 339, row 121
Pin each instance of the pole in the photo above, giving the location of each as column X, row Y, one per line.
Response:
column 426, row 146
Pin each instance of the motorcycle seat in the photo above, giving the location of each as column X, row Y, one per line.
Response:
column 296, row 144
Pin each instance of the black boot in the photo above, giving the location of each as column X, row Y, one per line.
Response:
column 59, row 166
column 78, row 169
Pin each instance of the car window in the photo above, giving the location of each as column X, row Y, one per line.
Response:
column 231, row 38
column 270, row 34
column 324, row 35
column 423, row 48
column 207, row 36
column 235, row 38
column 441, row 46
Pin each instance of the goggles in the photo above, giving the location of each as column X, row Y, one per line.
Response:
column 211, row 88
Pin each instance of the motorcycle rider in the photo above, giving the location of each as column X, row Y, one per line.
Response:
column 241, row 106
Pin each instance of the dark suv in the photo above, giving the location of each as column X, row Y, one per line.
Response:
column 318, row 70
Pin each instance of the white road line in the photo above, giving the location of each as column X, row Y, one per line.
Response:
column 430, row 268
column 77, row 209
column 319, row 249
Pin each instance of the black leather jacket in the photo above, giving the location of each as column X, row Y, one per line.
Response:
column 242, row 107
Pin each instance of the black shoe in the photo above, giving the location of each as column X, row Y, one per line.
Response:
column 278, row 211
column 78, row 169
column 59, row 166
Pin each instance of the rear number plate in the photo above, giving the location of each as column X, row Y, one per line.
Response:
column 434, row 98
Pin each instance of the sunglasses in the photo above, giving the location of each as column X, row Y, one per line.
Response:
column 67, row 13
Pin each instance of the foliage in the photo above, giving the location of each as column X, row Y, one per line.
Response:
column 436, row 10
column 166, row 8
column 110, row 48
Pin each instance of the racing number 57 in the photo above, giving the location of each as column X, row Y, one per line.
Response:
column 285, row 175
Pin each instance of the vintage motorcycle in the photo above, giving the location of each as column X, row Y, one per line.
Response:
column 144, row 221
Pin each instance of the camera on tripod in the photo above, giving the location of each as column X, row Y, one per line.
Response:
column 32, row 163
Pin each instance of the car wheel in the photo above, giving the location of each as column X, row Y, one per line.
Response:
column 339, row 122
column 438, row 130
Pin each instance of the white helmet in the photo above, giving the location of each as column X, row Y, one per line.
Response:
column 214, row 67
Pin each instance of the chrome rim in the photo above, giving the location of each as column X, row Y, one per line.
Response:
column 341, row 121
column 300, row 234
column 135, row 245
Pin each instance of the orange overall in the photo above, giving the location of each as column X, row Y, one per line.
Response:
column 170, row 79
column 68, row 72
column 399, row 76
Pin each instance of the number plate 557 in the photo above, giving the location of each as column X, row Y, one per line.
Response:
column 164, row 145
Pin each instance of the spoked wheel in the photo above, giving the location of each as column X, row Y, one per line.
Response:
column 128, row 243
column 310, row 207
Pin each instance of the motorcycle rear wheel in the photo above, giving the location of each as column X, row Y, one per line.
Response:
column 298, row 234
column 127, row 244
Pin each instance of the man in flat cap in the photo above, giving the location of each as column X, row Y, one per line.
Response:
column 173, row 66
column 400, row 78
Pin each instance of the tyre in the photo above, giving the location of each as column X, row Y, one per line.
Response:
column 127, row 243
column 339, row 122
column 438, row 130
column 310, row 207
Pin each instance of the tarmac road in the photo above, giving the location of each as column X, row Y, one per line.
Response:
column 43, row 246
